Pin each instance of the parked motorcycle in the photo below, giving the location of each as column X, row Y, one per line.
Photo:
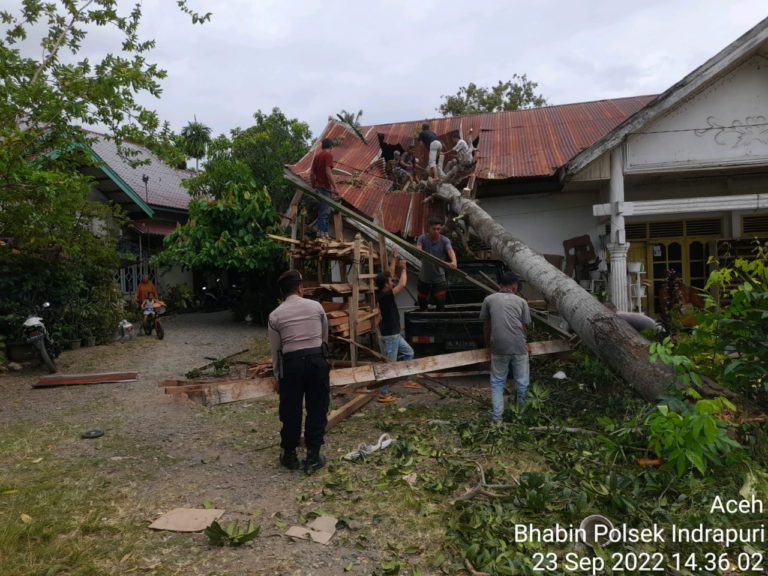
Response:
column 35, row 333
column 152, row 321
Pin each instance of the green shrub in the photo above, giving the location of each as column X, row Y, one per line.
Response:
column 180, row 298
column 691, row 437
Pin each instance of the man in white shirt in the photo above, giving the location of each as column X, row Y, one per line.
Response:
column 463, row 160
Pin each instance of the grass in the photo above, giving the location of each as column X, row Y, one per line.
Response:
column 55, row 516
column 69, row 506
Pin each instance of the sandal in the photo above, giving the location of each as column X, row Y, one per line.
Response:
column 386, row 398
column 412, row 385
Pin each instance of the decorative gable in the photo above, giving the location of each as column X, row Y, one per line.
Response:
column 726, row 124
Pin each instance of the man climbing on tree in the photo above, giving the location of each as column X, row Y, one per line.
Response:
column 463, row 160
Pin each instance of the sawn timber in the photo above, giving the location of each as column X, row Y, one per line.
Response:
column 214, row 392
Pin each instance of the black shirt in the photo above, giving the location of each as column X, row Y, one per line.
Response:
column 427, row 136
column 390, row 315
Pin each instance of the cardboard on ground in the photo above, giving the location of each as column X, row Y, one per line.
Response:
column 320, row 530
column 187, row 519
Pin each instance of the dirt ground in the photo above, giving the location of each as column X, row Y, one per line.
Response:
column 175, row 453
column 161, row 453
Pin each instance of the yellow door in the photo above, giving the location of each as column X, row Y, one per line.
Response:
column 686, row 256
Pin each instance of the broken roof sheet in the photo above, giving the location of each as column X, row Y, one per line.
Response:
column 531, row 143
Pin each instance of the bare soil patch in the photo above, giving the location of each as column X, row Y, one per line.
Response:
column 158, row 453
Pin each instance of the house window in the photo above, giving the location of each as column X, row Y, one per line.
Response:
column 755, row 226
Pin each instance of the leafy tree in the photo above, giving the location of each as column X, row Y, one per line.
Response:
column 48, row 97
column 515, row 94
column 196, row 136
column 228, row 219
column 728, row 344
column 228, row 222
column 350, row 119
column 274, row 141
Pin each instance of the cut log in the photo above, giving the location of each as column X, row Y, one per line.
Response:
column 609, row 337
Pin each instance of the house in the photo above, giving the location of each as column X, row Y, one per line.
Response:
column 155, row 201
column 663, row 182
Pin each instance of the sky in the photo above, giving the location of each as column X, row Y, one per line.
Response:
column 394, row 59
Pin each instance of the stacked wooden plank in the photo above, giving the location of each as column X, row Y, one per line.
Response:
column 312, row 249
column 338, row 321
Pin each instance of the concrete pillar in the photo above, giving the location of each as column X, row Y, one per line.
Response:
column 617, row 256
column 618, row 246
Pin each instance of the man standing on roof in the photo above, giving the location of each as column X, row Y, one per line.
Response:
column 298, row 335
column 321, row 179
column 506, row 317
column 432, row 277
column 433, row 144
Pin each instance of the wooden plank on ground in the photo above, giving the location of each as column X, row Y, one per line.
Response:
column 210, row 392
column 346, row 410
column 77, row 379
column 244, row 390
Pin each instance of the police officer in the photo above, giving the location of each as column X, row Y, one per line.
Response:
column 298, row 335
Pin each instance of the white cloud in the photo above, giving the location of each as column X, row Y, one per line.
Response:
column 396, row 58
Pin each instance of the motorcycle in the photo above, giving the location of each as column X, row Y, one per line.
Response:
column 35, row 333
column 152, row 320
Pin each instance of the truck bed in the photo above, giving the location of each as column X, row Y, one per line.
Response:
column 456, row 328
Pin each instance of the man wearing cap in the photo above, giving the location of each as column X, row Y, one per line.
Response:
column 506, row 317
column 298, row 333
column 321, row 179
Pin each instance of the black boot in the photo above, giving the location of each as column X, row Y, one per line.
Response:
column 314, row 461
column 289, row 459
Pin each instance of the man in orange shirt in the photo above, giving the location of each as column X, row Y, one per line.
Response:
column 321, row 179
column 146, row 286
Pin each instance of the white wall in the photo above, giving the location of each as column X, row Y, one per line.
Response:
column 169, row 277
column 543, row 222
column 724, row 125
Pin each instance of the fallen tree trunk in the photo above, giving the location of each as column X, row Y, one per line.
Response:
column 609, row 337
column 612, row 339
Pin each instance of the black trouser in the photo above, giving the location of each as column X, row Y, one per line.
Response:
column 305, row 376
column 438, row 291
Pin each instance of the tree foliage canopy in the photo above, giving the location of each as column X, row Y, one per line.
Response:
column 228, row 219
column 275, row 140
column 195, row 138
column 514, row 94
column 45, row 102
column 49, row 96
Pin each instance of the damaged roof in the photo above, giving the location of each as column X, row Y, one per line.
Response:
column 520, row 144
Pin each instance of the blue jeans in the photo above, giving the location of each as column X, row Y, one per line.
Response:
column 500, row 366
column 323, row 213
column 394, row 345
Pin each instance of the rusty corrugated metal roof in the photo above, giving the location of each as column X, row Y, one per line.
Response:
column 530, row 143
